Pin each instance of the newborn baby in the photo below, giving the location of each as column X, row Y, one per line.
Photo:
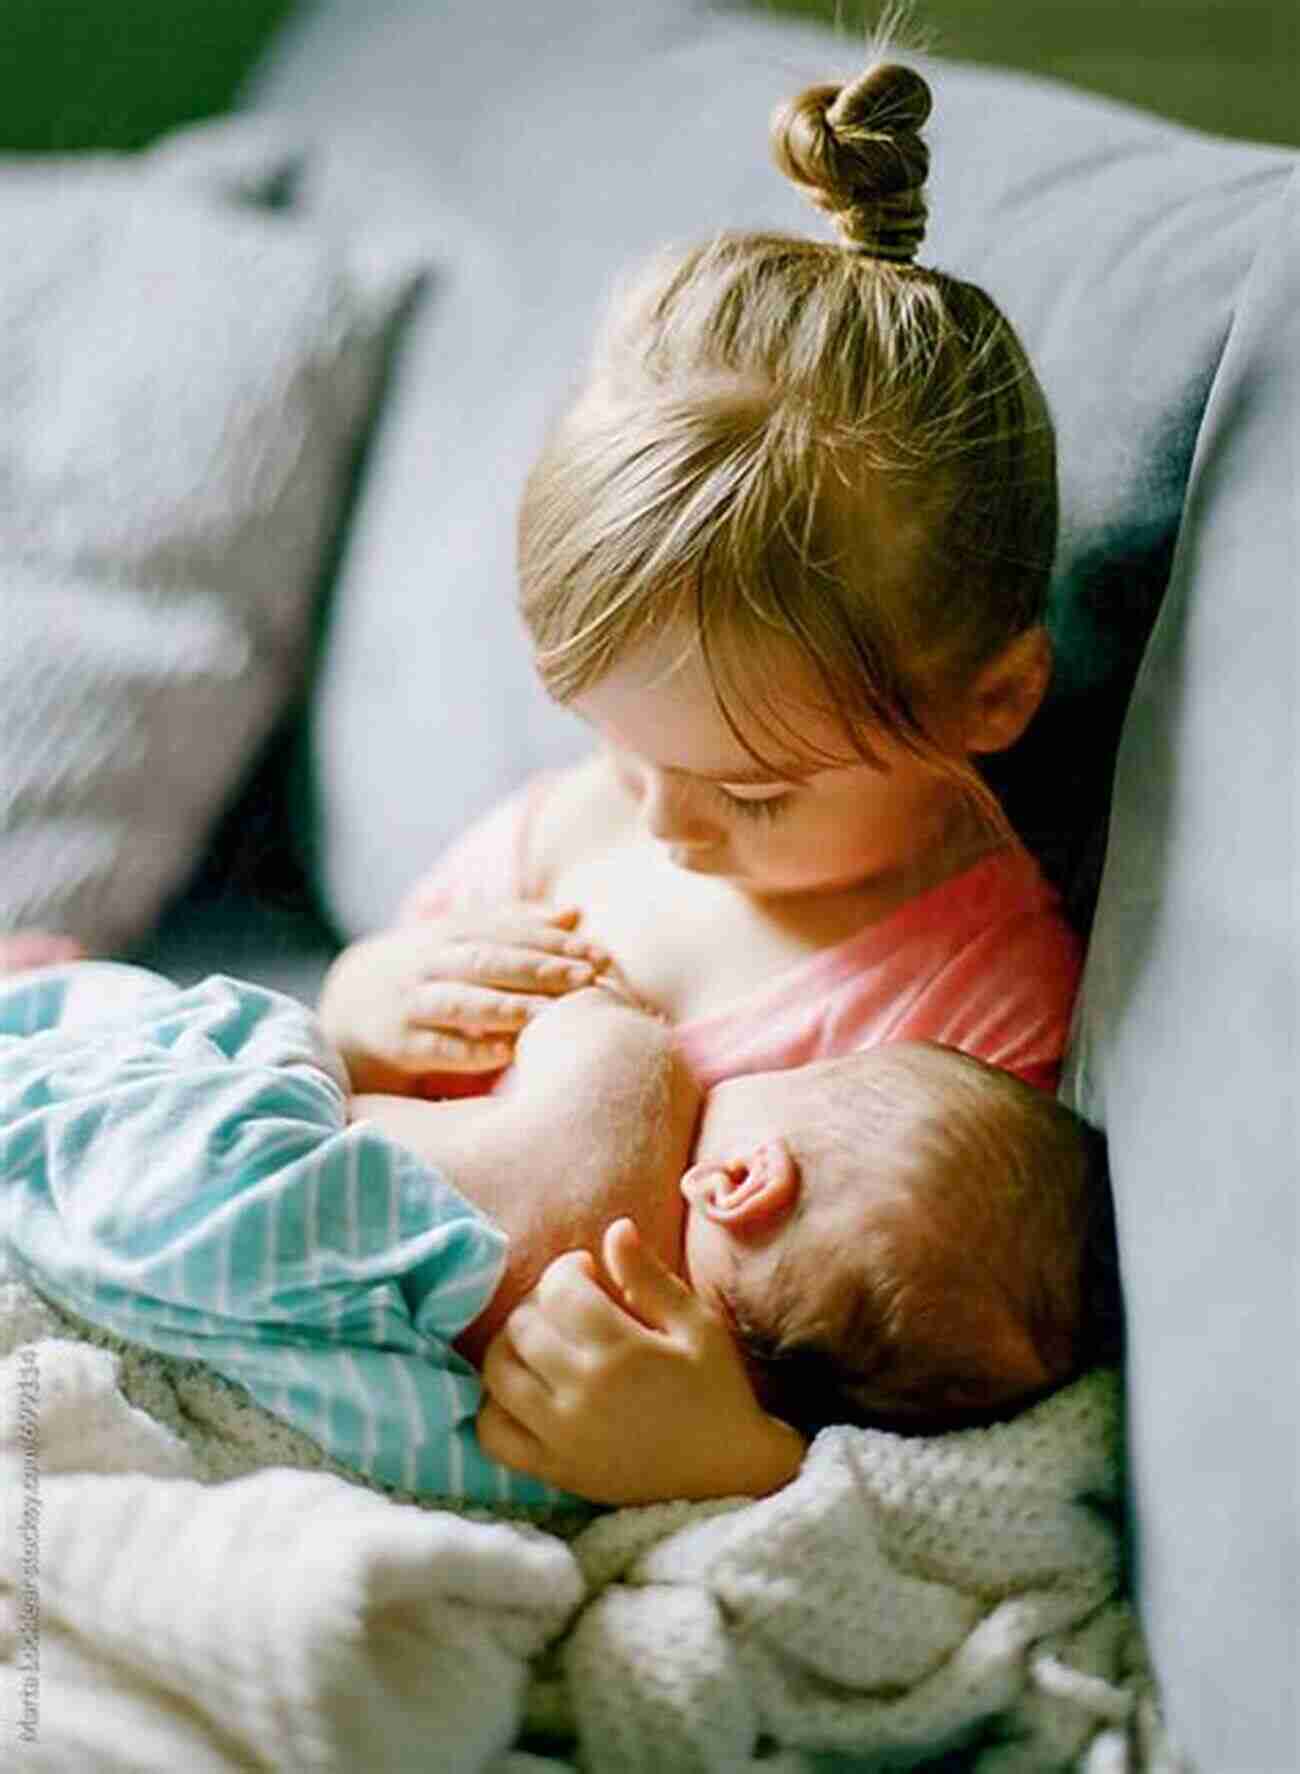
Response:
column 949, row 1255
column 901, row 1235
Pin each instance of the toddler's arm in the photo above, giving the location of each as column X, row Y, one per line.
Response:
column 594, row 1121
column 597, row 1098
column 602, row 1112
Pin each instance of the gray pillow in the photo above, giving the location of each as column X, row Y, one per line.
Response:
column 1117, row 243
column 185, row 380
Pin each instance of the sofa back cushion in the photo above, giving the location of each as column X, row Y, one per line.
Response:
column 1187, row 1049
column 542, row 153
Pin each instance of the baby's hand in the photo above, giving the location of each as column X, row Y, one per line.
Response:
column 633, row 1395
column 452, row 994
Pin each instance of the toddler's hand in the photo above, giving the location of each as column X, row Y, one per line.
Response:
column 610, row 982
column 613, row 980
column 450, row 995
column 634, row 1395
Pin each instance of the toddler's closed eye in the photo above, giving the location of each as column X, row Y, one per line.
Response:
column 768, row 806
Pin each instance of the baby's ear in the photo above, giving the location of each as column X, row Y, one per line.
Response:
column 1007, row 692
column 749, row 1195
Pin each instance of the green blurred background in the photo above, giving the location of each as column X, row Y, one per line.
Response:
column 116, row 73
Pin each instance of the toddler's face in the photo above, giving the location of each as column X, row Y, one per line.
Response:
column 716, row 813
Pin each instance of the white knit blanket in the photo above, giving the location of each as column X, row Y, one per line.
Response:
column 901, row 1597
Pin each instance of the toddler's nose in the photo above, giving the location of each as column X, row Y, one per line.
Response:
column 671, row 812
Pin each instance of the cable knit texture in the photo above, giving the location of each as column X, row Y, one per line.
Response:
column 183, row 380
column 901, row 1597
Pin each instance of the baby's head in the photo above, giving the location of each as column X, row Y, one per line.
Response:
column 822, row 470
column 904, row 1237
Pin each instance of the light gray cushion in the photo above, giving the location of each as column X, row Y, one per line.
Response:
column 546, row 149
column 1188, row 1050
column 184, row 382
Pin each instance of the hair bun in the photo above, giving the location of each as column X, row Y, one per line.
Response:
column 856, row 152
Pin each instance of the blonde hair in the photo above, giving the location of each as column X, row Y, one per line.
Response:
column 785, row 442
column 1009, row 1202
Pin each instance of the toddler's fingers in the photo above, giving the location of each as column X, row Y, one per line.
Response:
column 437, row 1050
column 559, row 939
column 510, row 968
column 472, row 1010
column 539, row 927
column 613, row 980
column 463, row 1007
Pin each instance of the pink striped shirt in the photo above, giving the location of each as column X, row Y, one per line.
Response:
column 984, row 962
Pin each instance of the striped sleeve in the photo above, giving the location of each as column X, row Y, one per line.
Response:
column 184, row 1177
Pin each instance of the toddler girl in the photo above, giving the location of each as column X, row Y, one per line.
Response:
column 787, row 554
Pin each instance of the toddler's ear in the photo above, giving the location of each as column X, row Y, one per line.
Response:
column 1007, row 692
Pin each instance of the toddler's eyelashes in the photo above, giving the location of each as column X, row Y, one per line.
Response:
column 768, row 807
